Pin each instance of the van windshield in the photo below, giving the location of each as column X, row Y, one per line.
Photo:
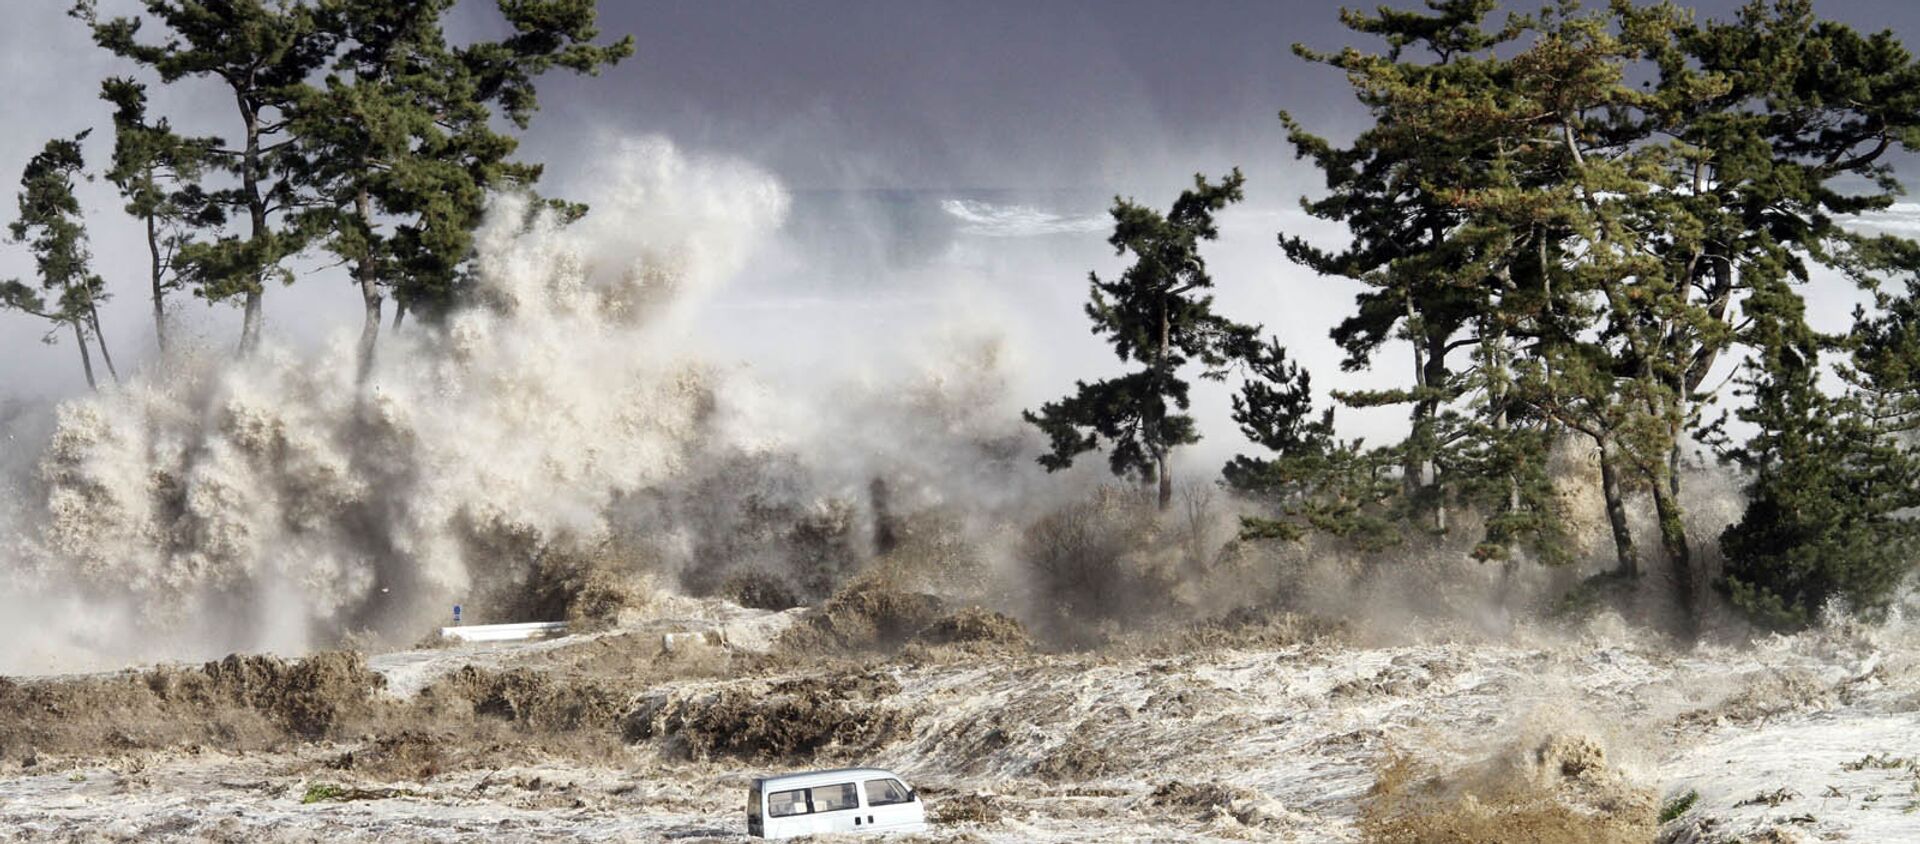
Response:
column 753, row 803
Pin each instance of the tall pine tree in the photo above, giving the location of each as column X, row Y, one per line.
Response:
column 1446, row 199
column 399, row 143
column 263, row 53
column 1158, row 315
column 1387, row 188
column 158, row 173
column 1600, row 241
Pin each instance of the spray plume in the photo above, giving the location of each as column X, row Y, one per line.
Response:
column 262, row 503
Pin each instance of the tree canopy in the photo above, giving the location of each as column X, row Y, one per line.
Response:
column 1591, row 211
column 361, row 129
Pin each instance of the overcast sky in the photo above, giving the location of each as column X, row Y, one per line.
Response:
column 916, row 93
column 1098, row 94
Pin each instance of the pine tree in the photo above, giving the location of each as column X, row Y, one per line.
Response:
column 1830, row 474
column 1572, row 138
column 49, row 223
column 399, row 143
column 1386, row 187
column 1600, row 241
column 1769, row 127
column 262, row 52
column 1155, row 314
column 1309, row 479
column 158, row 173
column 1454, row 199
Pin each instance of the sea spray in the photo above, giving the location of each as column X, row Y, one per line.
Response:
column 261, row 503
column 584, row 405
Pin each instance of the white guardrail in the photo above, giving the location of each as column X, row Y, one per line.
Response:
column 505, row 632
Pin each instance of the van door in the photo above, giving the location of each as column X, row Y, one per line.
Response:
column 892, row 806
column 836, row 808
column 788, row 814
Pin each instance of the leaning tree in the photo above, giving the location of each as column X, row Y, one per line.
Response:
column 50, row 224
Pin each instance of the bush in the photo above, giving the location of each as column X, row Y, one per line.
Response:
column 871, row 613
column 760, row 590
column 1094, row 560
column 1801, row 545
column 585, row 584
column 789, row 720
column 1678, row 806
column 321, row 792
column 1831, row 476
column 975, row 626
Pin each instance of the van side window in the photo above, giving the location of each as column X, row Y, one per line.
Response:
column 828, row 798
column 781, row 804
column 886, row 793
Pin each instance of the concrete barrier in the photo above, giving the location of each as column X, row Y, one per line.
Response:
column 506, row 632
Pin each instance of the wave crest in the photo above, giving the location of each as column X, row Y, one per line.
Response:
column 986, row 219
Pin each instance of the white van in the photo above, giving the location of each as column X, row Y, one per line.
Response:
column 847, row 800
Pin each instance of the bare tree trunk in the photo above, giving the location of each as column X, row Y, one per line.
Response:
column 1420, row 474
column 369, row 290
column 1497, row 396
column 1665, row 483
column 1719, row 299
column 1673, row 534
column 886, row 535
column 1673, row 538
column 1434, row 376
column 1413, row 470
column 1430, row 373
column 250, row 321
column 86, row 358
column 399, row 313
column 1161, row 448
column 93, row 319
column 1166, row 480
column 1499, row 382
column 158, row 272
column 1628, row 555
column 1500, row 425
column 257, row 214
column 1673, row 464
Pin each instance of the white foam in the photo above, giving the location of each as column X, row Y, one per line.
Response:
column 986, row 219
column 247, row 505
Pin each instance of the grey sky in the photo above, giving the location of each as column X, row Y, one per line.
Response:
column 919, row 94
column 913, row 93
column 1111, row 95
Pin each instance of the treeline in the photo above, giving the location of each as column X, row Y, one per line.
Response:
column 362, row 133
column 1577, row 220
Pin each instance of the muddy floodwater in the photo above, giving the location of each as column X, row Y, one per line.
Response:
column 1271, row 731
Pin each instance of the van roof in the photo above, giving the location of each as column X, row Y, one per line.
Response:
column 810, row 778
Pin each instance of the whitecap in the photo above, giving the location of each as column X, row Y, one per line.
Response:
column 986, row 219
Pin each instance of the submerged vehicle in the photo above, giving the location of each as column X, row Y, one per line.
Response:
column 844, row 800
